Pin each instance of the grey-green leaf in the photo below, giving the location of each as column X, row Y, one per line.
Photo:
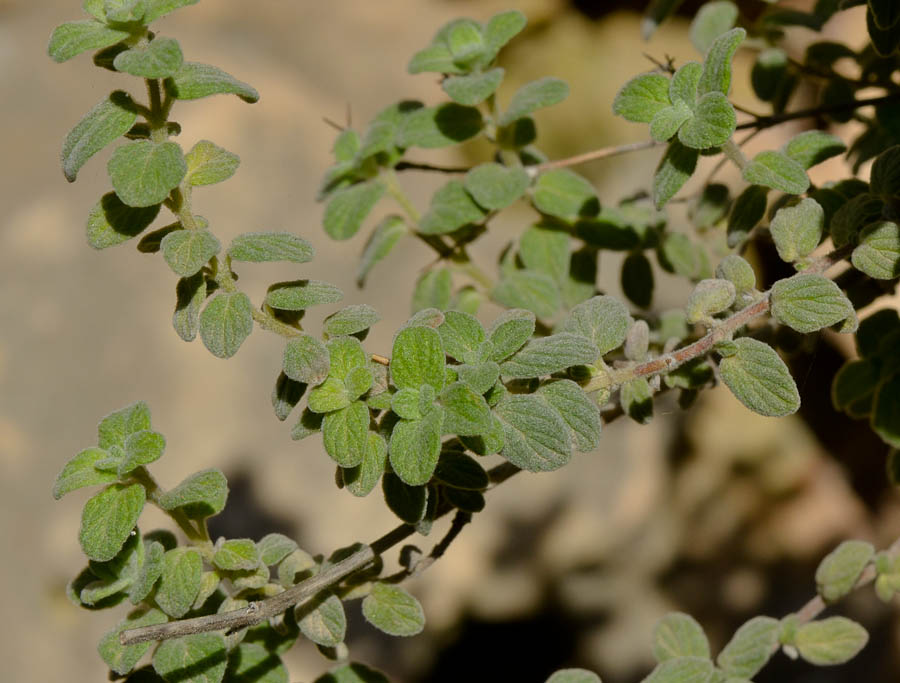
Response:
column 190, row 293
column 261, row 247
column 350, row 320
column 535, row 437
column 679, row 635
column 417, row 358
column 509, row 332
column 738, row 271
column 361, row 480
column 778, row 171
column 306, row 360
column 112, row 222
column 108, row 519
column 194, row 80
column 546, row 355
column 322, row 619
column 641, row 98
column 544, row 92
column 207, row 164
column 201, row 655
column 432, row 290
column 576, row 409
column 878, row 253
column 451, row 208
column 813, row 147
column 203, row 494
column 187, row 251
column 391, row 609
column 466, row 413
column 682, row 670
column 473, row 89
column 159, row 58
column 759, row 378
column 461, row 336
column 546, row 250
column 674, row 170
column 442, row 126
column 345, row 434
column 110, row 118
column 536, row 292
column 709, row 297
column 573, row 676
column 237, row 554
column 716, row 74
column 838, row 572
column 713, row 19
column 226, row 322
column 415, row 447
column 712, row 124
column 830, row 641
column 347, row 209
column 298, row 295
column 74, row 37
column 668, row 120
column 797, row 230
column 565, row 194
column 143, row 172
column 158, row 8
column 122, row 658
column 180, row 581
column 381, row 242
column 603, row 320
column 495, row 187
column 808, row 302
column 80, row 472
column 750, row 647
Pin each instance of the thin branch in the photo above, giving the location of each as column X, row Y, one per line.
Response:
column 460, row 519
column 762, row 122
column 417, row 166
column 602, row 153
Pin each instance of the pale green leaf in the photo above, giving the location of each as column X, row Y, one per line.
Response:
column 675, row 168
column 347, row 209
column 115, row 428
column 503, row 27
column 545, row 250
column 298, row 295
column 830, row 641
column 110, row 118
column 361, row 480
column 253, row 663
column 495, row 187
column 546, row 355
column 112, row 222
column 708, row 298
column 641, row 98
column 636, row 400
column 461, row 336
column 466, row 413
column 713, row 19
column 354, row 672
column 141, row 448
column 381, row 242
column 350, row 320
column 441, row 126
column 578, row 411
column 716, row 76
column 603, row 320
column 536, row 292
column 759, row 378
column 187, row 251
column 74, row 37
column 432, row 290
column 203, row 494
column 573, row 676
column 391, row 609
column 306, row 360
column 149, row 573
column 198, row 658
column 108, row 519
column 194, row 80
column 159, row 58
column 682, row 670
column 345, row 434
column 236, row 554
column 226, row 322
column 417, row 358
column 509, row 332
column 878, row 253
column 415, row 447
column 207, row 164
column 750, row 647
column 679, row 635
column 565, row 194
column 345, row 354
column 778, row 171
column 180, row 581
column 738, row 271
column 329, row 396
column 158, row 8
column 838, row 572
column 535, row 437
column 712, row 124
column 80, row 472
column 683, row 85
column 797, row 230
column 122, row 658
column 813, row 147
column 544, row 92
column 808, row 302
column 451, row 208
column 668, row 120
column 144, row 172
column 473, row 89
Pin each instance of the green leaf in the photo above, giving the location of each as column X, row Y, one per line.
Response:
column 855, row 381
column 306, row 360
column 194, row 80
column 736, row 270
column 657, row 12
column 80, row 472
column 461, row 336
column 667, row 121
column 573, row 676
column 885, row 176
column 180, row 581
column 110, row 118
column 886, row 411
column 144, row 172
column 480, row 377
column 716, row 76
column 712, row 124
column 190, row 293
column 149, row 573
column 713, row 19
column 391, row 609
column 115, row 428
column 830, row 641
column 415, row 447
column 451, row 208
column 159, row 58
column 74, row 37
column 503, row 27
column 381, row 242
column 207, row 164
column 158, row 8
column 544, row 92
column 124, row 11
column 274, row 547
column 237, row 553
column 813, row 147
column 108, row 519
column 683, row 85
column 679, row 635
column 878, row 253
column 329, row 396
column 809, row 302
column 509, row 332
column 417, row 358
column 494, row 186
column 473, row 89
column 535, row 438
column 442, row 126
column 682, row 670
column 407, row 502
column 141, row 448
column 253, row 663
column 353, row 672
column 708, row 298
column 769, row 76
column 361, row 480
column 760, row 379
column 536, row 292
column 466, row 413
column 636, row 400
column 345, row 354
column 546, row 355
column 778, row 171
column 112, row 222
column 270, row 246
column 226, row 322
column 122, row 658
column 347, row 209
column 187, row 251
column 198, row 658
column 637, row 279
column 641, row 98
column 797, row 230
column 748, row 210
column 435, row 58
column 853, row 215
column 461, row 471
column 840, row 569
column 298, row 295
column 345, row 433
column 578, row 411
column 565, row 194
column 674, row 170
column 432, row 290
column 750, row 648
column 603, row 320
column 546, row 251
column 201, row 495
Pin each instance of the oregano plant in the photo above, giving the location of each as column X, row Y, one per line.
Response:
column 461, row 402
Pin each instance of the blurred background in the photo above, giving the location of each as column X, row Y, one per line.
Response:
column 715, row 511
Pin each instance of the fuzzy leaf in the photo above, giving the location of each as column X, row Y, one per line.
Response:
column 237, row 553
column 712, row 124
column 80, row 472
column 750, row 647
column 674, row 170
column 886, row 411
column 194, row 80
column 345, row 434
column 544, row 92
column 306, row 360
column 603, row 320
column 121, row 658
column 637, row 279
column 748, row 210
column 578, row 411
column 187, row 251
column 708, row 298
column 641, row 98
column 565, row 194
column 573, row 676
column 144, row 172
column 759, row 378
column 347, row 209
column 108, row 519
column 112, row 222
column 415, row 447
column 830, row 641
column 298, row 295
column 141, row 448
column 681, row 670
column 535, row 438
column 441, row 126
column 451, row 208
column 736, row 270
column 180, row 581
column 797, row 230
column 115, row 428
column 667, row 121
column 432, row 290
column 158, row 8
column 201, row 495
column 190, row 293
column 391, row 609
column 839, row 570
column 809, row 302
column 878, row 253
column 381, row 242
column 262, row 247
column 546, row 251
column 159, row 58
column 713, row 19
column 778, row 171
column 683, row 86
column 350, row 320
column 417, row 358
column 813, row 147
column 546, row 355
column 361, row 480
column 198, row 658
column 461, row 336
column 473, row 89
column 225, row 323
column 494, row 186
column 74, row 37
column 679, row 635
column 716, row 76
column 466, row 413
column 109, row 119
column 207, row 164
